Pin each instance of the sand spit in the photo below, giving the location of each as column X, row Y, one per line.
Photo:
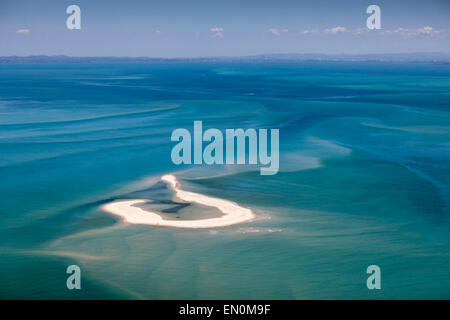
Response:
column 232, row 212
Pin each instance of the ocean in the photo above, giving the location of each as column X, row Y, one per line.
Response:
column 363, row 180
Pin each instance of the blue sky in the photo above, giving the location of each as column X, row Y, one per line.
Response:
column 193, row 28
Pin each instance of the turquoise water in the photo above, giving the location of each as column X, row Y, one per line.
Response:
column 364, row 179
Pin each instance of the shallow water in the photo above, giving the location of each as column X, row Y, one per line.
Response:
column 364, row 179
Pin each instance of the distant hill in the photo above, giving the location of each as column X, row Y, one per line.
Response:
column 294, row 57
column 418, row 56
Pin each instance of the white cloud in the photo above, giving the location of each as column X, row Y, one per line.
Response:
column 402, row 31
column 309, row 31
column 427, row 30
column 274, row 31
column 24, row 32
column 336, row 30
column 277, row 32
column 359, row 31
column 158, row 32
column 217, row 32
column 424, row 31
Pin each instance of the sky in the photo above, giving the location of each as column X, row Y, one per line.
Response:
column 201, row 28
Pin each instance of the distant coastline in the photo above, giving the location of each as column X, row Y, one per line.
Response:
column 438, row 57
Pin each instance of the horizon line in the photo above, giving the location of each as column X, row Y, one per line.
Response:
column 432, row 56
column 230, row 56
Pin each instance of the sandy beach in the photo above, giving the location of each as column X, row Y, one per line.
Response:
column 232, row 212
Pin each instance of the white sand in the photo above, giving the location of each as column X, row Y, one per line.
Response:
column 233, row 213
